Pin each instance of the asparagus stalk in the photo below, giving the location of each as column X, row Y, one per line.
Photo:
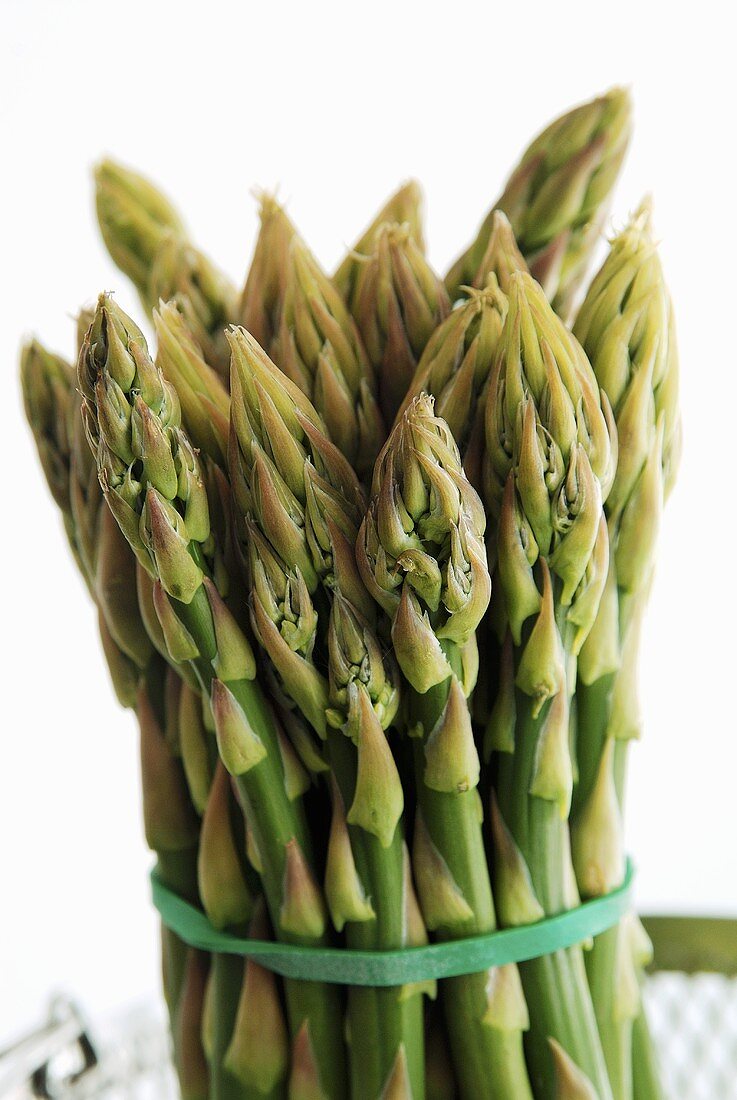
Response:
column 397, row 303
column 626, row 327
column 151, row 478
column 421, row 555
column 304, row 503
column 556, row 197
column 404, row 207
column 319, row 349
column 549, row 465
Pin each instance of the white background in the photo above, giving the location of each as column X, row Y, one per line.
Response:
column 337, row 104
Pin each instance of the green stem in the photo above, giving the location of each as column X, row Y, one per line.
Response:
column 276, row 821
column 381, row 1019
column 439, row 1077
column 488, row 1061
column 555, row 985
column 646, row 1071
column 615, row 1031
column 173, row 963
column 592, row 721
column 178, row 870
column 227, row 976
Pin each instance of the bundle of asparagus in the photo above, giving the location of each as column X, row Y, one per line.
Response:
column 370, row 555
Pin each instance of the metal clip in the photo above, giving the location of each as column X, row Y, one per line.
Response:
column 52, row 1058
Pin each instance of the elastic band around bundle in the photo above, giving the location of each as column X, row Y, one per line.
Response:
column 406, row 965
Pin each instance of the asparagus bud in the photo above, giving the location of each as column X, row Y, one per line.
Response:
column 239, row 745
column 319, row 348
column 626, row 327
column 420, row 548
column 356, row 664
column 202, row 395
column 285, row 622
column 457, row 360
column 149, row 472
column 502, row 257
column 404, row 207
column 47, row 382
column 597, row 842
column 517, row 901
column 147, row 240
column 556, row 198
column 549, row 458
column 179, row 643
column 134, row 218
column 262, row 297
column 378, row 799
column 397, row 302
column 271, row 413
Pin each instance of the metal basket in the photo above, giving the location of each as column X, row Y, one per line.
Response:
column 691, row 1002
column 690, row 996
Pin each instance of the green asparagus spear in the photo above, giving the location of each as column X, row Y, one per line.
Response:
column 549, row 464
column 626, row 327
column 422, row 557
column 305, row 503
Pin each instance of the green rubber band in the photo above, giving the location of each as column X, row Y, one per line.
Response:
column 406, row 965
